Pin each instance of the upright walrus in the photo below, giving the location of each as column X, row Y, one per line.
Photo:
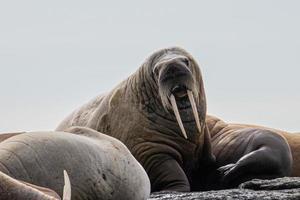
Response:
column 159, row 114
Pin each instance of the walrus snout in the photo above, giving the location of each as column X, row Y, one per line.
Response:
column 179, row 91
column 177, row 87
column 174, row 72
column 175, row 77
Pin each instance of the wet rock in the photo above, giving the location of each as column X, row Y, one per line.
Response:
column 281, row 188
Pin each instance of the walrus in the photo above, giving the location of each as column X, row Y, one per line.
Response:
column 159, row 114
column 244, row 152
column 98, row 167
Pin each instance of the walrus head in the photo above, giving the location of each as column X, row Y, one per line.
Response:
column 180, row 85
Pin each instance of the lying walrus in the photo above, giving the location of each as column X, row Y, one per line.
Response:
column 159, row 114
column 244, row 152
column 99, row 167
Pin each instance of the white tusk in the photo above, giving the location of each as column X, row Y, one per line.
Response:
column 177, row 115
column 67, row 187
column 194, row 108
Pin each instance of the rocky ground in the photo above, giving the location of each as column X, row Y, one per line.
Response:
column 281, row 188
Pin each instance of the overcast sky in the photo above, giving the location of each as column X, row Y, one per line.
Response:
column 56, row 55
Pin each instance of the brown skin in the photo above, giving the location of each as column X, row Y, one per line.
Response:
column 138, row 113
column 244, row 152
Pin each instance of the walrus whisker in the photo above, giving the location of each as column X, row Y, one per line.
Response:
column 177, row 115
column 67, row 187
column 194, row 108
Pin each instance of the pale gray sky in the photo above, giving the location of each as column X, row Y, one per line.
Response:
column 56, row 55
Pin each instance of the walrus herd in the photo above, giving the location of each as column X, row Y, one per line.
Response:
column 150, row 133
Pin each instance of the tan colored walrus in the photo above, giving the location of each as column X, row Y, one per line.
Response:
column 244, row 152
column 99, row 167
column 159, row 114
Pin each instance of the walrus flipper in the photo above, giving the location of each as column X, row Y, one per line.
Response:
column 169, row 176
column 14, row 189
column 266, row 156
column 248, row 168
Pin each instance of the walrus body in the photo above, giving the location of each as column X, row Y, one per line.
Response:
column 244, row 152
column 144, row 113
column 99, row 166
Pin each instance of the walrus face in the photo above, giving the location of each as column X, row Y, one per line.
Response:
column 177, row 87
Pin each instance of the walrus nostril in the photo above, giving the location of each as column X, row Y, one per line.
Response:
column 186, row 61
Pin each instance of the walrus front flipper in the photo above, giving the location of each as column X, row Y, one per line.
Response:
column 14, row 189
column 267, row 156
column 169, row 176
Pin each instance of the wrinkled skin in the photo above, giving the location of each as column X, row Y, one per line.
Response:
column 141, row 112
column 99, row 166
column 244, row 152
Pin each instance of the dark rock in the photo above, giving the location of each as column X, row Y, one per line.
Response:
column 281, row 188
column 273, row 184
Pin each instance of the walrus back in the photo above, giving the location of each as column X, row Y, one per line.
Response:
column 81, row 116
column 100, row 167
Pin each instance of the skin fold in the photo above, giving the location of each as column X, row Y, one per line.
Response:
column 141, row 113
column 99, row 166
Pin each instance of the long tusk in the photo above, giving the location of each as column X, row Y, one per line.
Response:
column 194, row 108
column 177, row 115
column 67, row 187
